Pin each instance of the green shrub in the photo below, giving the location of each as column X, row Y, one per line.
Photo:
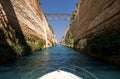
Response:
column 69, row 39
column 41, row 43
column 107, row 43
column 19, row 49
column 74, row 12
column 37, row 45
column 82, row 44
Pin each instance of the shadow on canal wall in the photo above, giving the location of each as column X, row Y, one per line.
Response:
column 12, row 40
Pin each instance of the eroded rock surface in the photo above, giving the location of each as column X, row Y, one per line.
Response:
column 23, row 28
column 94, row 28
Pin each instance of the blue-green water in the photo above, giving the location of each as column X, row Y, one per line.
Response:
column 56, row 57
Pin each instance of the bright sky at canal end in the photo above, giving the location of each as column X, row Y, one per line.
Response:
column 58, row 7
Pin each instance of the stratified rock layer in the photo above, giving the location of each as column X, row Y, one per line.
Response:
column 92, row 18
column 95, row 16
column 23, row 28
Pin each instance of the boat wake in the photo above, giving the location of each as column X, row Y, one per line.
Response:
column 71, row 72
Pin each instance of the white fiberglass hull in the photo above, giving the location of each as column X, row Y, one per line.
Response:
column 59, row 74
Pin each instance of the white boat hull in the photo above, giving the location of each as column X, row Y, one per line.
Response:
column 59, row 74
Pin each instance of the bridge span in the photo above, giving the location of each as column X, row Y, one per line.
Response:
column 54, row 16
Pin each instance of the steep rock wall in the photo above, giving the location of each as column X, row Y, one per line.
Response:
column 23, row 28
column 95, row 16
column 95, row 23
column 67, row 39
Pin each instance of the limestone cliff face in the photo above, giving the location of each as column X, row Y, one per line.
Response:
column 23, row 26
column 94, row 16
column 67, row 38
column 29, row 16
column 93, row 26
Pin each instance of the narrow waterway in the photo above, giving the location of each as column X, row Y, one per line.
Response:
column 55, row 57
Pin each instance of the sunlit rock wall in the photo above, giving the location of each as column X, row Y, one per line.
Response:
column 23, row 28
column 95, row 29
column 95, row 16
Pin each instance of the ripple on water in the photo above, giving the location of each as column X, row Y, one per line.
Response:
column 56, row 57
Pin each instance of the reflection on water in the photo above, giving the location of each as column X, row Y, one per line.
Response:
column 56, row 57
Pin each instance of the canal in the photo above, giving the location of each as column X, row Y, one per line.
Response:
column 58, row 56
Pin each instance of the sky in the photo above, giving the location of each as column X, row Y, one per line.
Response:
column 58, row 7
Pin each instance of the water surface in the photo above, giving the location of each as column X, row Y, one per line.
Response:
column 56, row 57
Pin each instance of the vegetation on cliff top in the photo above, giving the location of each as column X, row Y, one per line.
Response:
column 75, row 12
